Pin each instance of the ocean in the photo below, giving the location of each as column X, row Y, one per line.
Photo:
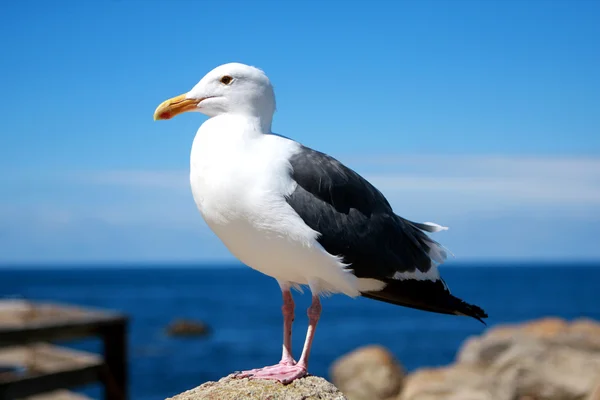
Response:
column 243, row 309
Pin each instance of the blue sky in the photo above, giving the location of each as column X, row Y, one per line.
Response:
column 482, row 116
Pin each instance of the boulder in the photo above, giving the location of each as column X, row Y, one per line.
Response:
column 547, row 359
column 230, row 388
column 581, row 334
column 458, row 382
column 368, row 373
column 183, row 327
column 543, row 372
column 595, row 395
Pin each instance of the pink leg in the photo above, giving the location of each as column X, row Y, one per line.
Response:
column 286, row 356
column 314, row 313
column 287, row 372
column 288, row 318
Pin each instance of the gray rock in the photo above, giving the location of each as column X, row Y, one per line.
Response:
column 457, row 382
column 545, row 372
column 547, row 359
column 581, row 334
column 230, row 388
column 368, row 373
column 595, row 395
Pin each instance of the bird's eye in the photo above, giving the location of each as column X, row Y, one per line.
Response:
column 226, row 80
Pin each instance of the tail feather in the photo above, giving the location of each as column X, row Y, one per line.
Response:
column 426, row 295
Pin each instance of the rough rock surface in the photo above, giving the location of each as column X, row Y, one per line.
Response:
column 230, row 388
column 548, row 359
column 368, row 373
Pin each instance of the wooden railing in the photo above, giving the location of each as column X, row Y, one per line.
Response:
column 26, row 333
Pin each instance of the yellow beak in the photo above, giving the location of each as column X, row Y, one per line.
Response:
column 177, row 105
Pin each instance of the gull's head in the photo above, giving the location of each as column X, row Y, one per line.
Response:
column 228, row 89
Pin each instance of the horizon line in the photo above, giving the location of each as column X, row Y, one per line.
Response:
column 234, row 264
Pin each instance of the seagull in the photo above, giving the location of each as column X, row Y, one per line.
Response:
column 300, row 216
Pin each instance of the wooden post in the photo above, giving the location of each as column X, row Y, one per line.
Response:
column 53, row 367
column 114, row 338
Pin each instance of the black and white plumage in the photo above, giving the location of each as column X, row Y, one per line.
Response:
column 356, row 222
column 299, row 215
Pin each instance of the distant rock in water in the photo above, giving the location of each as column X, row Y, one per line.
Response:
column 547, row 359
column 368, row 373
column 183, row 327
column 230, row 388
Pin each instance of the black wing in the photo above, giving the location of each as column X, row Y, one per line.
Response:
column 356, row 222
column 354, row 218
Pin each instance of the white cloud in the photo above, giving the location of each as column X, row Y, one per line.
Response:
column 551, row 180
column 453, row 184
column 522, row 178
column 496, row 207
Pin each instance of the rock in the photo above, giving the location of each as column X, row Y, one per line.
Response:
column 230, row 388
column 182, row 327
column 459, row 382
column 581, row 334
column 595, row 395
column 544, row 328
column 586, row 327
column 547, row 359
column 544, row 372
column 368, row 373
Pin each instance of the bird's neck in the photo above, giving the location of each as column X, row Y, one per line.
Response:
column 257, row 123
column 234, row 127
column 262, row 122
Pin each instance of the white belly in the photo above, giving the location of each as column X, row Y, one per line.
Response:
column 277, row 243
column 240, row 194
column 274, row 253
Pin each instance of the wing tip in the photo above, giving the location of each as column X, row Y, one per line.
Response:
column 473, row 311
